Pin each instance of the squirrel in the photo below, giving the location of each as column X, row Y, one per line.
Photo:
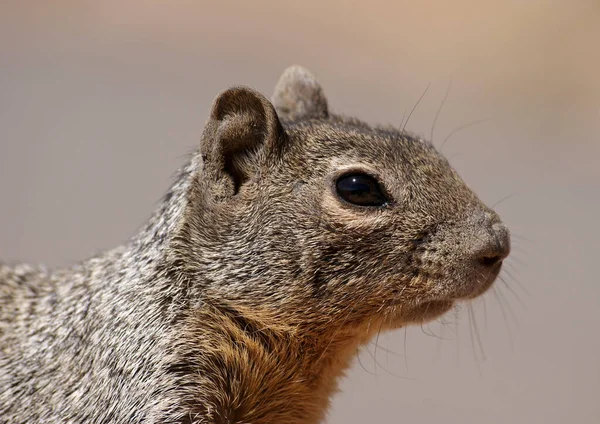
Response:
column 288, row 240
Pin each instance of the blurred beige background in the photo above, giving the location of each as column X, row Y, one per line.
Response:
column 100, row 101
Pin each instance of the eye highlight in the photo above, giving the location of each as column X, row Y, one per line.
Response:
column 361, row 190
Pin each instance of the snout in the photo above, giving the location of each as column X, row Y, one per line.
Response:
column 487, row 248
column 459, row 260
column 470, row 253
column 494, row 245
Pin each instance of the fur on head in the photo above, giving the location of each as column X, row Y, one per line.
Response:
column 266, row 228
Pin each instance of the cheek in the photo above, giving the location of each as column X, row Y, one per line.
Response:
column 351, row 249
column 352, row 220
column 356, row 264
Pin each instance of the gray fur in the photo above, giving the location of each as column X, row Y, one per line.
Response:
column 248, row 292
column 299, row 96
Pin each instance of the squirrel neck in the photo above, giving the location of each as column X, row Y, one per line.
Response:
column 238, row 371
column 157, row 234
column 229, row 365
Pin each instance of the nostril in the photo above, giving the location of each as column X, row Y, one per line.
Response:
column 497, row 246
column 490, row 261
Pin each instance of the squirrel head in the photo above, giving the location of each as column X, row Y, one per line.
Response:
column 311, row 218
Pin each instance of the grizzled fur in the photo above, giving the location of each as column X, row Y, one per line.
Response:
column 252, row 286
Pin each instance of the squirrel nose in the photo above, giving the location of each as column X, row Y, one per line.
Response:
column 497, row 246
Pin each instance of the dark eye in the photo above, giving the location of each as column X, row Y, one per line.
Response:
column 361, row 190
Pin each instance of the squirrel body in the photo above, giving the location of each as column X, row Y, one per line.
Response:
column 250, row 289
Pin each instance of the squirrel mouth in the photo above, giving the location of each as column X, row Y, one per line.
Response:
column 471, row 288
column 480, row 287
column 430, row 308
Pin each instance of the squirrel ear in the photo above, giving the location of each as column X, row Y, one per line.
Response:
column 298, row 95
column 242, row 125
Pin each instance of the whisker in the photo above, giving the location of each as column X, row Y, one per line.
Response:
column 385, row 368
column 402, row 121
column 444, row 321
column 429, row 332
column 518, row 283
column 521, row 237
column 519, row 249
column 386, row 350
column 513, row 292
column 438, row 346
column 471, row 334
column 422, row 330
column 361, row 364
column 513, row 267
column 485, row 317
column 477, row 335
column 504, row 316
column 517, row 260
column 457, row 333
column 374, row 361
column 441, row 336
column 376, row 341
column 510, row 310
column 405, row 356
column 437, row 114
column 462, row 127
column 472, row 341
column 504, row 199
column 414, row 107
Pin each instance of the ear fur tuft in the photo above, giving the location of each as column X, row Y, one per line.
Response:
column 298, row 95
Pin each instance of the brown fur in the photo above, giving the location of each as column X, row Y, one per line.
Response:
column 246, row 296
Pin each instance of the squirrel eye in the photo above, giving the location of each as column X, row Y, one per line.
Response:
column 360, row 190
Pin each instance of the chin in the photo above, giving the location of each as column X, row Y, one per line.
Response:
column 421, row 313
column 404, row 313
